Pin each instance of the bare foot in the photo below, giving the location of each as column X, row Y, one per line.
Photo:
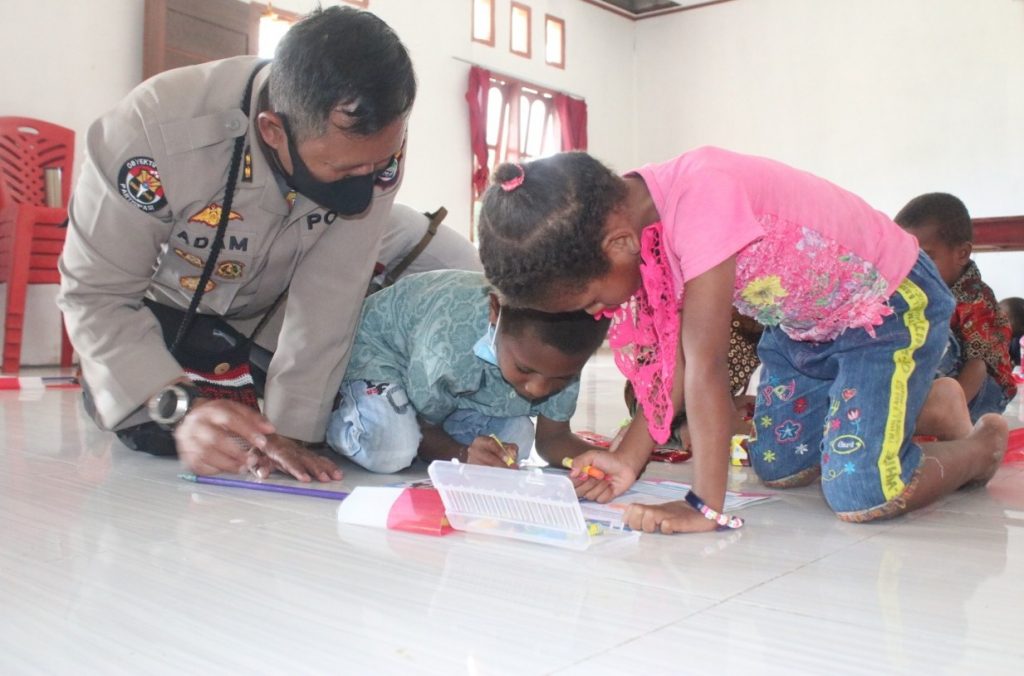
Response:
column 988, row 440
column 945, row 414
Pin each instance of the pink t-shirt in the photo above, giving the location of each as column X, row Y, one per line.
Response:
column 811, row 258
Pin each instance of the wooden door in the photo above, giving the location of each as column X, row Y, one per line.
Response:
column 186, row 32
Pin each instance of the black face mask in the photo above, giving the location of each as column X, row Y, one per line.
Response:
column 349, row 196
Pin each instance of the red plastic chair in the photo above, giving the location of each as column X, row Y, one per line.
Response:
column 31, row 234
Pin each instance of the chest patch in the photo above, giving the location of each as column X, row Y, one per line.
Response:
column 139, row 183
column 210, row 215
column 229, row 269
column 192, row 283
column 190, row 257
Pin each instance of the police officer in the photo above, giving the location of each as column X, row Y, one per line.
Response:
column 318, row 135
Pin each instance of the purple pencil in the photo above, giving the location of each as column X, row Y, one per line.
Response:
column 257, row 486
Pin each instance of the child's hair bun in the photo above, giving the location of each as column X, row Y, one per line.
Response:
column 509, row 176
column 506, row 172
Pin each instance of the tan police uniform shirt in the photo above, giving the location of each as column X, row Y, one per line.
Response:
column 143, row 218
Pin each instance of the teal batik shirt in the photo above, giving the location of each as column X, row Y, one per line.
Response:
column 420, row 333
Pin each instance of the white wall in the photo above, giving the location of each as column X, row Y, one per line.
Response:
column 66, row 62
column 92, row 56
column 889, row 98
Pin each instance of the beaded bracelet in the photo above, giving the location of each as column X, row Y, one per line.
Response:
column 723, row 520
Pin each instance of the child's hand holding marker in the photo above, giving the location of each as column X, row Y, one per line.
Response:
column 600, row 475
column 509, row 459
column 493, row 452
column 589, row 470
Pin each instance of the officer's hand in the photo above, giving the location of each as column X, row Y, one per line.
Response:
column 288, row 456
column 216, row 435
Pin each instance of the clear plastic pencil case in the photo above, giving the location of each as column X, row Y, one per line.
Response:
column 522, row 504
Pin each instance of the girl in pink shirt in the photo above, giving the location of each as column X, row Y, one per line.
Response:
column 856, row 319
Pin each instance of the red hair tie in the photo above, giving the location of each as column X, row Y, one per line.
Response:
column 516, row 181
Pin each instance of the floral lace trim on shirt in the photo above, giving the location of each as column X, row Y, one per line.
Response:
column 808, row 285
column 644, row 334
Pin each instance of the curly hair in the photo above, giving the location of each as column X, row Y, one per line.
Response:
column 946, row 212
column 544, row 232
column 341, row 56
column 571, row 333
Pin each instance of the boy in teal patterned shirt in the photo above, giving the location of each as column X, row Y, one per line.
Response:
column 440, row 370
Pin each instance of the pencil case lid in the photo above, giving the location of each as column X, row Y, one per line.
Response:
column 522, row 504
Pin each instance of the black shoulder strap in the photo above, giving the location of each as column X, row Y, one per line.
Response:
column 225, row 213
column 435, row 220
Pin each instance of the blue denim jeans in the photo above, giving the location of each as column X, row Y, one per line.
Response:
column 991, row 398
column 376, row 427
column 849, row 406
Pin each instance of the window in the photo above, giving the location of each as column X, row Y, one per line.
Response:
column 515, row 107
column 515, row 121
column 483, row 21
column 519, row 34
column 554, row 41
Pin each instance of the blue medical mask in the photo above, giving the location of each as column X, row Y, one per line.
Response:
column 485, row 347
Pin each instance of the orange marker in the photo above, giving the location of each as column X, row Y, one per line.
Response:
column 589, row 470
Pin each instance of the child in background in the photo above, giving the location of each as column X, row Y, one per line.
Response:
column 440, row 370
column 978, row 355
column 1013, row 309
column 856, row 321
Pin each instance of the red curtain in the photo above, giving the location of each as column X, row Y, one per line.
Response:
column 572, row 115
column 476, row 95
column 513, row 107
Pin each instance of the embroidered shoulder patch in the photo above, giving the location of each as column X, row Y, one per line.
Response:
column 139, row 183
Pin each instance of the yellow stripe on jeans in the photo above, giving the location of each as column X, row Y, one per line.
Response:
column 903, row 359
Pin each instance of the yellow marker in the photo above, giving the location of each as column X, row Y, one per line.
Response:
column 509, row 460
column 589, row 470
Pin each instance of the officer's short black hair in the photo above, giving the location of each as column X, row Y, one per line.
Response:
column 571, row 333
column 341, row 56
column 946, row 212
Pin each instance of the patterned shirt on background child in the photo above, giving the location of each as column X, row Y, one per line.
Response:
column 983, row 333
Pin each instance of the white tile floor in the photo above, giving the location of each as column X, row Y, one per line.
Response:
column 111, row 564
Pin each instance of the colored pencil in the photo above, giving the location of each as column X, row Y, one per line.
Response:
column 257, row 486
